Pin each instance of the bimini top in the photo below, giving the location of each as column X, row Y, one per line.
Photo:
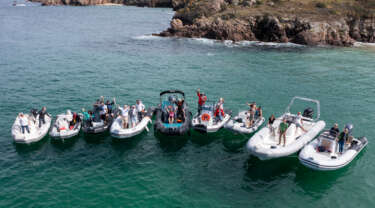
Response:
column 172, row 91
column 307, row 100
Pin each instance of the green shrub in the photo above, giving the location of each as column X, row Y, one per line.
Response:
column 321, row 5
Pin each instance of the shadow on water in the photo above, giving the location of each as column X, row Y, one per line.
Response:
column 235, row 142
column 65, row 144
column 123, row 145
column 24, row 149
column 96, row 138
column 171, row 143
column 270, row 170
column 202, row 139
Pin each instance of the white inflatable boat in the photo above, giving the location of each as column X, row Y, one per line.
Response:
column 61, row 129
column 322, row 153
column 206, row 122
column 238, row 123
column 264, row 144
column 119, row 132
column 36, row 134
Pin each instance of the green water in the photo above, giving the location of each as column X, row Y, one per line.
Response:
column 66, row 57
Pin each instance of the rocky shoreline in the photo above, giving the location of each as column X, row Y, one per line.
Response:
column 339, row 22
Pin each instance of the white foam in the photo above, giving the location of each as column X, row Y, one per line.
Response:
column 362, row 44
column 147, row 37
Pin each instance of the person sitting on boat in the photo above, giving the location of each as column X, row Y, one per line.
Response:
column 171, row 114
column 298, row 122
column 180, row 109
column 202, row 98
column 259, row 112
column 87, row 117
column 74, row 120
column 271, row 119
column 133, row 116
column 24, row 122
column 282, row 131
column 141, row 109
column 342, row 139
column 124, row 113
column 219, row 111
column 334, row 131
column 42, row 113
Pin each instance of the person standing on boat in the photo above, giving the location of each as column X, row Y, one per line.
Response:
column 133, row 116
column 282, row 130
column 87, row 117
column 343, row 137
column 270, row 123
column 124, row 116
column 24, row 122
column 141, row 109
column 42, row 113
column 180, row 109
column 201, row 101
column 334, row 131
column 219, row 111
column 252, row 111
column 298, row 122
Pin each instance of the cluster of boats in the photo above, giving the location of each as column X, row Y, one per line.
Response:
column 319, row 153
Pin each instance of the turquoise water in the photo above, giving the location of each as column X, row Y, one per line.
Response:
column 66, row 57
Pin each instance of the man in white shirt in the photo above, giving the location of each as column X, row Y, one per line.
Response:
column 124, row 116
column 24, row 122
column 298, row 122
column 140, row 109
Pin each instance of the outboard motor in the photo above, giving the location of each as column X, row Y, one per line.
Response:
column 308, row 113
column 350, row 127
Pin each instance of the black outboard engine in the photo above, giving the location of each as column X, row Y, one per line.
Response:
column 350, row 127
column 308, row 113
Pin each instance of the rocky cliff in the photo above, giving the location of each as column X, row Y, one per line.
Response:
column 310, row 22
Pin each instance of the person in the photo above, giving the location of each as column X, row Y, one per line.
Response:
column 103, row 111
column 342, row 138
column 141, row 109
column 87, row 117
column 110, row 105
column 334, row 131
column 298, row 122
column 219, row 111
column 76, row 119
column 259, row 112
column 271, row 120
column 180, row 109
column 202, row 98
column 24, row 122
column 124, row 116
column 42, row 113
column 282, row 131
column 170, row 111
column 33, row 114
column 252, row 111
column 133, row 116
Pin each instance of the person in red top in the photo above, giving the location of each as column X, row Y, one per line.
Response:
column 219, row 111
column 201, row 100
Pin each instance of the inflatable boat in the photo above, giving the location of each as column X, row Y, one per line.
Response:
column 322, row 153
column 36, row 134
column 117, row 131
column 264, row 143
column 206, row 121
column 181, row 124
column 63, row 128
column 238, row 123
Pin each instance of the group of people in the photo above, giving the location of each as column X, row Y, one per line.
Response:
column 132, row 115
column 254, row 113
column 342, row 138
column 218, row 111
column 26, row 121
column 283, row 127
column 175, row 110
column 101, row 111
